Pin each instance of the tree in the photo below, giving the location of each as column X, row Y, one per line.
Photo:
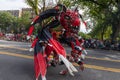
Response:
column 34, row 4
column 106, row 12
column 83, row 35
column 6, row 21
column 22, row 23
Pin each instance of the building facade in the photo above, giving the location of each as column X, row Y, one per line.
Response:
column 19, row 13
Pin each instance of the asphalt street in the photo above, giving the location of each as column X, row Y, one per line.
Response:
column 16, row 63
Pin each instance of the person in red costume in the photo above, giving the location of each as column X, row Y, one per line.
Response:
column 44, row 44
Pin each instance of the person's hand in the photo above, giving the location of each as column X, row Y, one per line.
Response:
column 82, row 56
column 28, row 37
column 31, row 49
column 85, row 51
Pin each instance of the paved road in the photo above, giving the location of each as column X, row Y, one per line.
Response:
column 16, row 63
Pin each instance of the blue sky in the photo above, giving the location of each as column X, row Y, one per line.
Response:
column 12, row 4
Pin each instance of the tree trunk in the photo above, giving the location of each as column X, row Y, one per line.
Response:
column 116, row 30
column 102, row 34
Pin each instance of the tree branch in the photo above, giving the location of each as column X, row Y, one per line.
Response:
column 96, row 2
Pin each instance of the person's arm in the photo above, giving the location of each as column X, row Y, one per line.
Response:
column 38, row 19
column 33, row 44
column 31, row 29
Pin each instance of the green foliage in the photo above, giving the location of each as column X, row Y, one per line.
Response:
column 23, row 22
column 106, row 14
column 6, row 20
column 9, row 23
column 83, row 35
column 34, row 5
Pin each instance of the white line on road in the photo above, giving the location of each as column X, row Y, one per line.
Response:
column 86, row 65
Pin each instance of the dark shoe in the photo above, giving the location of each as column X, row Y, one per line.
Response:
column 53, row 64
column 61, row 63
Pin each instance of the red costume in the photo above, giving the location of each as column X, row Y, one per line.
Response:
column 45, row 44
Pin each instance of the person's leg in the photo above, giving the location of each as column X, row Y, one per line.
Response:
column 39, row 61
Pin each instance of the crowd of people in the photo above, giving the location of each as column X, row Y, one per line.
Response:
column 88, row 43
column 15, row 37
column 102, row 44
